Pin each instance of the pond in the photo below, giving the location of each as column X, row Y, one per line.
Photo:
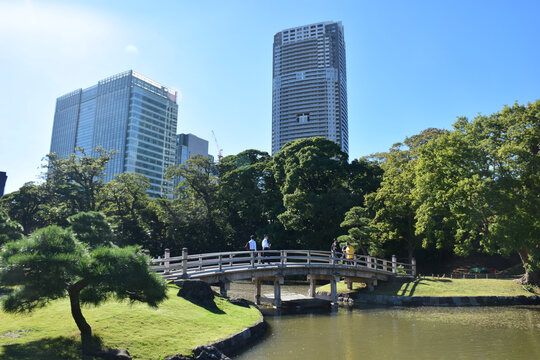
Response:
column 403, row 333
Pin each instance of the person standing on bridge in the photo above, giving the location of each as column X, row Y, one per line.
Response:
column 335, row 247
column 349, row 251
column 334, row 250
column 252, row 245
column 265, row 246
column 343, row 253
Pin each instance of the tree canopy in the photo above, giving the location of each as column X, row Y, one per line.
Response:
column 480, row 186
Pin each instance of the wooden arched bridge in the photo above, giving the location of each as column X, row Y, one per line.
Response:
column 274, row 265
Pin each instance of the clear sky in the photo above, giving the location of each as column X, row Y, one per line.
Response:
column 410, row 64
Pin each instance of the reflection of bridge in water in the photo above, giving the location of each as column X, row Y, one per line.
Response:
column 221, row 269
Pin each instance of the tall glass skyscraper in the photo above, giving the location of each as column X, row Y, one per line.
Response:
column 309, row 90
column 128, row 113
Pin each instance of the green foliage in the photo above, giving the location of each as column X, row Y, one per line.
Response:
column 312, row 175
column 248, row 196
column 121, row 273
column 360, row 233
column 91, row 228
column 479, row 186
column 29, row 206
column 40, row 266
column 130, row 211
column 364, row 178
column 394, row 205
column 196, row 217
column 52, row 264
column 77, row 179
column 9, row 229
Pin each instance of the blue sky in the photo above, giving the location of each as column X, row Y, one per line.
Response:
column 410, row 64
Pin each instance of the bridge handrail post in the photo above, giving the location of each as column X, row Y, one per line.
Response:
column 285, row 260
column 368, row 261
column 385, row 265
column 230, row 260
column 394, row 264
column 333, row 259
column 413, row 263
column 184, row 261
column 166, row 256
column 200, row 262
column 281, row 257
column 252, row 258
column 355, row 260
column 220, row 259
column 309, row 257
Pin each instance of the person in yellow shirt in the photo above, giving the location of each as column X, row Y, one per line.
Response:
column 349, row 251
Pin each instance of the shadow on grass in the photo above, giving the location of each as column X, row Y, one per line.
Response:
column 405, row 288
column 47, row 349
column 208, row 305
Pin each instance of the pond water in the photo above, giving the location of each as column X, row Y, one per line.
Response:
column 403, row 333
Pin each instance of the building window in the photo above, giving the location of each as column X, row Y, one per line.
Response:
column 302, row 118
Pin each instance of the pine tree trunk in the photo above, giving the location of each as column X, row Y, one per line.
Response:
column 85, row 329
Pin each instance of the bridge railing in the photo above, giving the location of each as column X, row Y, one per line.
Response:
column 222, row 261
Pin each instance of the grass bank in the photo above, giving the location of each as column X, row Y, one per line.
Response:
column 177, row 326
column 441, row 287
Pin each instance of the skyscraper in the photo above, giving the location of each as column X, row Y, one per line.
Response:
column 309, row 90
column 128, row 113
column 188, row 145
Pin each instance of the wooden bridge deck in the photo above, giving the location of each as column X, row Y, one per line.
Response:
column 207, row 265
column 222, row 268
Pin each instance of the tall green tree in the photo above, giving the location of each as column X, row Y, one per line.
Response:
column 365, row 177
column 312, row 175
column 131, row 212
column 359, row 231
column 77, row 179
column 52, row 264
column 394, row 205
column 484, row 179
column 197, row 205
column 247, row 196
column 30, row 206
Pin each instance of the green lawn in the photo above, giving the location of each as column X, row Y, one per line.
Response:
column 177, row 326
column 342, row 287
column 444, row 287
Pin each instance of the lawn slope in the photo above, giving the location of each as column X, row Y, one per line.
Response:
column 441, row 287
column 177, row 326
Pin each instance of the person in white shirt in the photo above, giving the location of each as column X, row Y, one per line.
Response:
column 266, row 246
column 252, row 243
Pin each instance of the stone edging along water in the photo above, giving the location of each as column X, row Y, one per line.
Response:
column 229, row 346
column 239, row 341
column 440, row 300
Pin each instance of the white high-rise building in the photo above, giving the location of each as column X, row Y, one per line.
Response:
column 309, row 91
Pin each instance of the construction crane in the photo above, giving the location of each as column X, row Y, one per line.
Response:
column 220, row 155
